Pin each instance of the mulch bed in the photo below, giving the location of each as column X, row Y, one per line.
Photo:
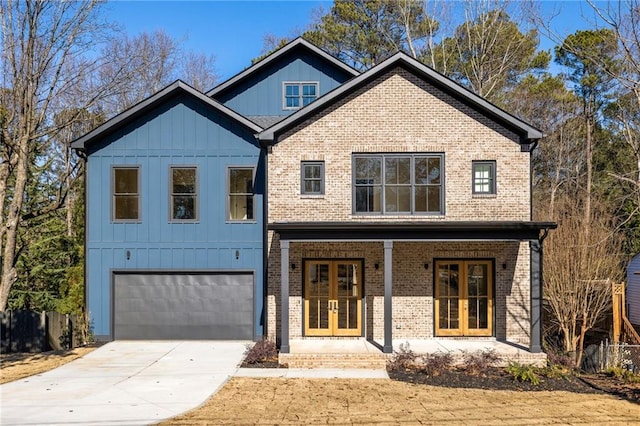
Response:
column 494, row 378
column 614, row 386
column 263, row 364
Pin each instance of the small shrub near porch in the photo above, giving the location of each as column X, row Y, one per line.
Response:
column 261, row 353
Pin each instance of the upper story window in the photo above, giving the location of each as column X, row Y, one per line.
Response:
column 312, row 178
column 398, row 184
column 126, row 193
column 299, row 94
column 240, row 203
column 184, row 194
column 484, row 177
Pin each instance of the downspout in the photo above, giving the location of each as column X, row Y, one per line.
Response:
column 265, row 237
column 532, row 148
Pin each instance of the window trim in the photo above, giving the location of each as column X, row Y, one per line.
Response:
column 303, row 178
column 382, row 157
column 228, row 194
column 300, row 96
column 115, row 167
column 196, row 201
column 493, row 190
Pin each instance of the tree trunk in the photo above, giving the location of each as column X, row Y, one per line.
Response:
column 589, row 159
column 9, row 273
column 580, row 351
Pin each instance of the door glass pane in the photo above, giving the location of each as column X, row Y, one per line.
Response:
column 483, row 310
column 478, row 292
column 448, row 289
column 348, row 313
column 318, row 296
column 347, row 295
column 477, row 275
column 448, row 277
column 448, row 315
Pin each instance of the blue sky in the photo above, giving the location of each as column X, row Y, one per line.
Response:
column 233, row 31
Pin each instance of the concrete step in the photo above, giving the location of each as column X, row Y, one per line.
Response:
column 334, row 360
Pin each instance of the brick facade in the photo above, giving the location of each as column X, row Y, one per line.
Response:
column 400, row 113
column 413, row 316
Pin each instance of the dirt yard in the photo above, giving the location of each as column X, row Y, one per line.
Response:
column 319, row 401
column 20, row 365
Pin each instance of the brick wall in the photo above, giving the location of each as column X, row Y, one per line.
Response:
column 398, row 113
column 412, row 285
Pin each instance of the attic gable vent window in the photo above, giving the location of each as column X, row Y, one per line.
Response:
column 299, row 94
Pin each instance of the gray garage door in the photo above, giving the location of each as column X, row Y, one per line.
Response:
column 183, row 306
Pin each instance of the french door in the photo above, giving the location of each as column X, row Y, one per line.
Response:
column 333, row 298
column 464, row 298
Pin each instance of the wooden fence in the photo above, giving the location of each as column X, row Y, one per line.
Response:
column 27, row 331
column 623, row 331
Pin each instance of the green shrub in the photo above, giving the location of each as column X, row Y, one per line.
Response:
column 523, row 373
column 623, row 374
column 556, row 371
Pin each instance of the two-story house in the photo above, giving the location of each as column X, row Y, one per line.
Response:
column 320, row 203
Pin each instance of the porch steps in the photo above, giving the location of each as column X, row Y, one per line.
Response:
column 334, row 360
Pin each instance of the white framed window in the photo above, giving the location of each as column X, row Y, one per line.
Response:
column 398, row 184
column 125, row 184
column 183, row 195
column 240, row 198
column 484, row 177
column 312, row 178
column 297, row 94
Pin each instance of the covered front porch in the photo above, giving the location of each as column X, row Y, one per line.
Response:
column 398, row 302
column 362, row 353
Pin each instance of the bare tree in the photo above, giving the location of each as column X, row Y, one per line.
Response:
column 489, row 52
column 580, row 263
column 39, row 39
column 623, row 19
column 57, row 84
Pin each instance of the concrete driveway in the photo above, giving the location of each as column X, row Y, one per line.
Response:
column 123, row 383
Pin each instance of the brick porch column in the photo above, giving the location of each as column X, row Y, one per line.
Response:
column 388, row 280
column 284, row 296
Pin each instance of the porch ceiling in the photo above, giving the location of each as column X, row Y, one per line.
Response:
column 419, row 231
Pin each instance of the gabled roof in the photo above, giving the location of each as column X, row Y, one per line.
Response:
column 526, row 131
column 297, row 43
column 174, row 89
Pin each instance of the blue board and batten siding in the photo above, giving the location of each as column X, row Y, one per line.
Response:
column 180, row 131
column 261, row 93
